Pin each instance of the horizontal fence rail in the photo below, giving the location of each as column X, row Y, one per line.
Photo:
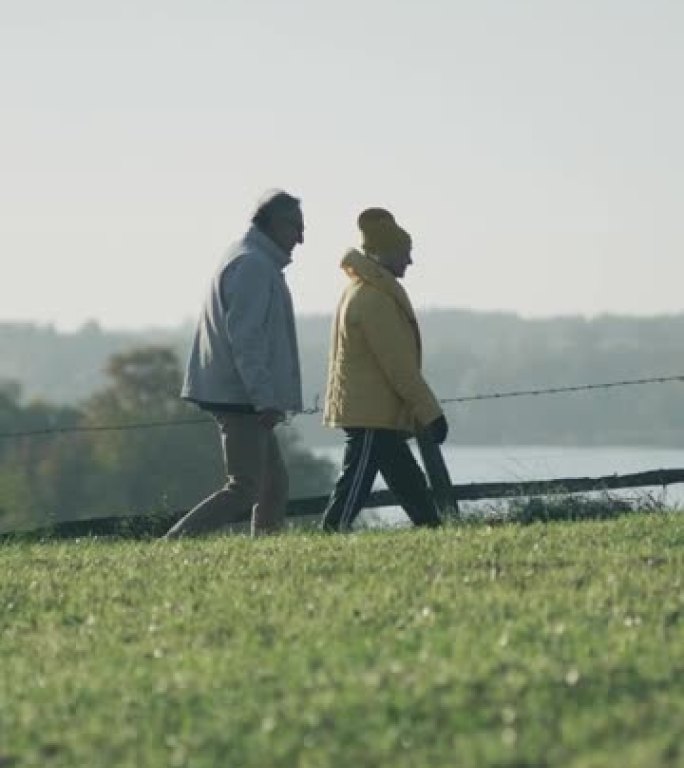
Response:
column 501, row 490
column 156, row 524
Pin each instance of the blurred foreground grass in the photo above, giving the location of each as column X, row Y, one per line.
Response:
column 540, row 645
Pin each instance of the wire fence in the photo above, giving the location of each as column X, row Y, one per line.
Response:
column 132, row 523
column 316, row 409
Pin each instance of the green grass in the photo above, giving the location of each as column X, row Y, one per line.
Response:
column 540, row 645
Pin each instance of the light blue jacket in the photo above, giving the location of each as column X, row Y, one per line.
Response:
column 245, row 345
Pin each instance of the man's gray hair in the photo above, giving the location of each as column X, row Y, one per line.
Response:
column 272, row 205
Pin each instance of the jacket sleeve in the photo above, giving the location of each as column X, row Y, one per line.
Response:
column 246, row 295
column 385, row 331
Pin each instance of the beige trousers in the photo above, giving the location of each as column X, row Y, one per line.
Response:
column 256, row 487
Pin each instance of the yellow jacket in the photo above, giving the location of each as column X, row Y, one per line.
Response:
column 374, row 377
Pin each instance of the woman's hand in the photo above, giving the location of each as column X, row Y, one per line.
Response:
column 438, row 429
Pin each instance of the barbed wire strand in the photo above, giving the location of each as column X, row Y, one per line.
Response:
column 560, row 390
column 317, row 409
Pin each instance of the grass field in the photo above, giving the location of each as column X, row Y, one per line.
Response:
column 541, row 645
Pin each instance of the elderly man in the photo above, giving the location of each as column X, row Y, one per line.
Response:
column 244, row 370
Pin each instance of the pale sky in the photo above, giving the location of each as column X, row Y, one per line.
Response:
column 533, row 148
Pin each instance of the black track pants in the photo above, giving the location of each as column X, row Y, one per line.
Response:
column 367, row 452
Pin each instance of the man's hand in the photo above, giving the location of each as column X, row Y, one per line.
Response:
column 269, row 417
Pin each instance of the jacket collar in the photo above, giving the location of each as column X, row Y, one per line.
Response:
column 260, row 240
column 360, row 267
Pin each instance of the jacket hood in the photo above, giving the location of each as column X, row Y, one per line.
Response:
column 361, row 267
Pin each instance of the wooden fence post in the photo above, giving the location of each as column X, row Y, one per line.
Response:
column 438, row 477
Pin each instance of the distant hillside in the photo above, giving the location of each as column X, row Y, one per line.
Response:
column 65, row 368
column 465, row 353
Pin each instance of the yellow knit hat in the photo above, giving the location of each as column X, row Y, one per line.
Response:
column 381, row 233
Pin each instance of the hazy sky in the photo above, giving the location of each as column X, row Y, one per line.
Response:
column 534, row 149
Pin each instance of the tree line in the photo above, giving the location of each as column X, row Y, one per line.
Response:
column 46, row 478
column 465, row 353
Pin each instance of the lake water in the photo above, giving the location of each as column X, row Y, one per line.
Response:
column 477, row 464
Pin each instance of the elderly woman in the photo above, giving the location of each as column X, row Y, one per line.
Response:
column 376, row 392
